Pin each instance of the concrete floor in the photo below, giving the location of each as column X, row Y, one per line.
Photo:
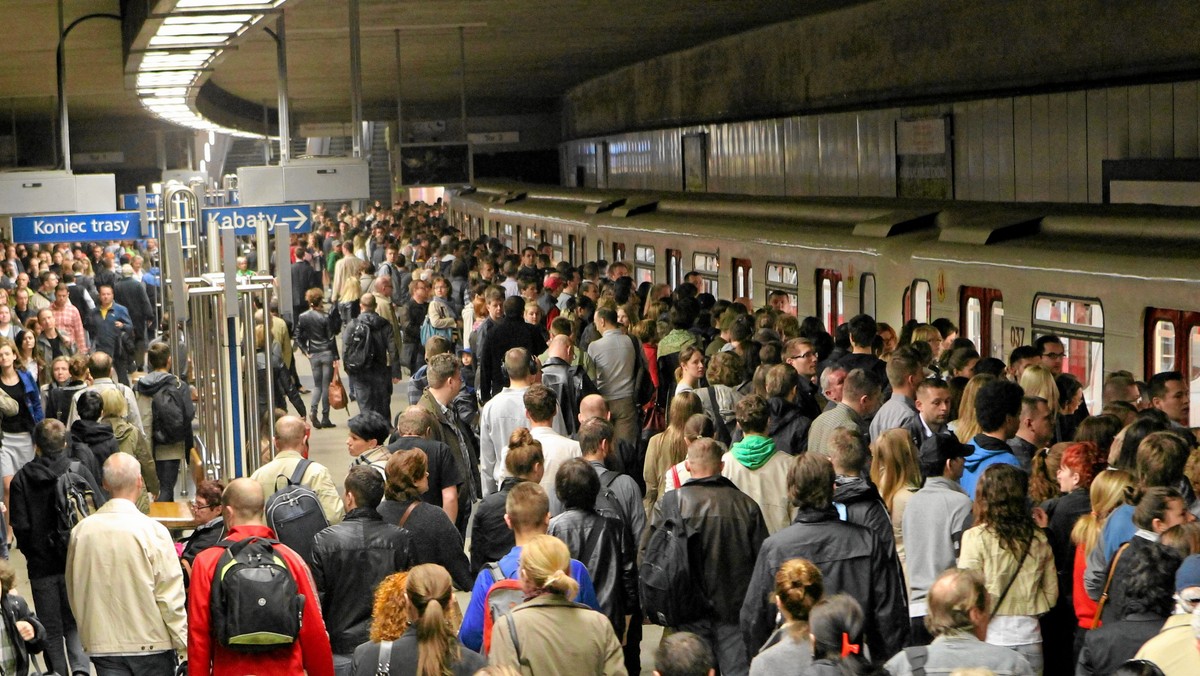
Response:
column 328, row 447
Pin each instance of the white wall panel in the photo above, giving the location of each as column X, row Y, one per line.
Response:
column 801, row 159
column 1097, row 142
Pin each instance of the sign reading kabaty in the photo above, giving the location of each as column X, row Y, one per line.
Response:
column 245, row 220
column 76, row 227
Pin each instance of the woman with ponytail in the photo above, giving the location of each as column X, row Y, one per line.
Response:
column 838, row 639
column 415, row 624
column 798, row 587
column 549, row 633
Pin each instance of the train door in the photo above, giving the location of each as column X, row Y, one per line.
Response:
column 829, row 298
column 917, row 301
column 866, row 299
column 743, row 278
column 571, row 250
column 1079, row 322
column 1173, row 344
column 643, row 264
column 981, row 319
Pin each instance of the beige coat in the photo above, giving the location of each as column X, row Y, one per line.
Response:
column 1035, row 588
column 557, row 637
column 767, row 485
column 124, row 583
column 273, row 476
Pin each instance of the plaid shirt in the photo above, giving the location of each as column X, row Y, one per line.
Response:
column 70, row 324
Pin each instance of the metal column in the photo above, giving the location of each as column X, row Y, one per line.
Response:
column 462, row 94
column 356, row 113
column 285, row 128
column 399, row 117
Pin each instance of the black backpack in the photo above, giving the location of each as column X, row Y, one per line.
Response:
column 356, row 355
column 295, row 514
column 256, row 605
column 74, row 500
column 606, row 501
column 668, row 590
column 172, row 412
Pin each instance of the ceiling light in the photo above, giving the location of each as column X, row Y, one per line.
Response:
column 187, row 40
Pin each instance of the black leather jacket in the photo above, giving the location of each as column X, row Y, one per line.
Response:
column 349, row 560
column 316, row 332
column 726, row 530
column 15, row 610
column 605, row 547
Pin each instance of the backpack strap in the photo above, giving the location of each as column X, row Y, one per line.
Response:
column 917, row 656
column 675, row 476
column 408, row 512
column 608, row 478
column 512, row 630
column 385, row 659
column 301, row 468
column 497, row 574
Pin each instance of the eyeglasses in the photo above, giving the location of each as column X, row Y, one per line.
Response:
column 199, row 507
column 1054, row 355
column 802, row 355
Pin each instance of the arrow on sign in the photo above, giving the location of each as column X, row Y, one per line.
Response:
column 298, row 220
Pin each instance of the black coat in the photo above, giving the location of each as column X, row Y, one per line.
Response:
column 96, row 436
column 1105, row 649
column 605, row 546
column 434, row 539
column 304, row 277
column 1064, row 511
column 726, row 531
column 788, row 426
column 349, row 560
column 508, row 333
column 491, row 538
column 16, row 610
column 33, row 515
column 132, row 294
column 851, row 561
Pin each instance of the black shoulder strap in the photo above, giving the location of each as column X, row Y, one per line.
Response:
column 385, row 658
column 917, row 657
column 608, row 478
column 301, row 468
column 1020, row 564
column 639, row 357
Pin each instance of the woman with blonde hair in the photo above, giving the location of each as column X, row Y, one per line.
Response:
column 1038, row 381
column 549, row 633
column 1109, row 490
column 130, row 440
column 798, row 587
column 897, row 475
column 668, row 447
column 928, row 334
column 414, row 626
column 966, row 426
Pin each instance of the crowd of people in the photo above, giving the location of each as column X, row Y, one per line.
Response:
column 586, row 455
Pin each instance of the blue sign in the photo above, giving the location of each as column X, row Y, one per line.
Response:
column 129, row 202
column 76, row 227
column 245, row 220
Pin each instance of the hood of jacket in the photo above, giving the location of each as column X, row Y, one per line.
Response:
column 753, row 451
column 782, row 413
column 149, row 384
column 981, row 455
column 91, row 432
column 122, row 429
column 45, row 469
column 851, row 489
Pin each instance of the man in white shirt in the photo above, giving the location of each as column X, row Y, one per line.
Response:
column 541, row 407
column 504, row 413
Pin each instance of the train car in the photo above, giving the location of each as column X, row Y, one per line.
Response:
column 1118, row 283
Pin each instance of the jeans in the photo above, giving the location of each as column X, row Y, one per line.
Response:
column 50, row 601
column 168, row 474
column 322, row 370
column 726, row 642
column 153, row 664
column 373, row 391
column 342, row 664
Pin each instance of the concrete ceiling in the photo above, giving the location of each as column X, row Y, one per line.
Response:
column 521, row 55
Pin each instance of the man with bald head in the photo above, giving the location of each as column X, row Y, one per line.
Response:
column 291, row 446
column 242, row 508
column 119, row 537
column 624, row 456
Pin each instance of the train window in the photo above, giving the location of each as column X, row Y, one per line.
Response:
column 979, row 310
column 743, row 278
column 1172, row 342
column 643, row 264
column 1192, row 375
column 531, row 236
column 618, row 251
column 674, row 267
column 921, row 300
column 866, row 299
column 784, row 277
column 1080, row 324
column 556, row 246
column 600, row 255
column 708, row 265
column 571, row 250
column 829, row 298
column 508, row 236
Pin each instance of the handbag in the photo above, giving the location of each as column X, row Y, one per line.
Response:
column 1107, row 582
column 337, row 392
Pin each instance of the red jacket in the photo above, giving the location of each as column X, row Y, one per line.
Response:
column 1085, row 607
column 311, row 653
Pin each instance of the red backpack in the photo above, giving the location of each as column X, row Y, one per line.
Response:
column 504, row 594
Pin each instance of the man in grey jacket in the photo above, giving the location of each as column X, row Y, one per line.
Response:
column 933, row 524
column 958, row 618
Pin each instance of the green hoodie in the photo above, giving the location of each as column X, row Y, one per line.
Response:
column 754, row 451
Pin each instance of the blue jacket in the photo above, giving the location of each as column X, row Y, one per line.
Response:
column 33, row 396
column 987, row 451
column 471, row 630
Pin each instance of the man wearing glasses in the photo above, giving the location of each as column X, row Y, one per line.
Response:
column 802, row 356
column 1052, row 350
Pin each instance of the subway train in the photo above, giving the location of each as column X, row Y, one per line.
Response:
column 1119, row 283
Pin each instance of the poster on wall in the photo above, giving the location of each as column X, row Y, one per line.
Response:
column 695, row 162
column 435, row 164
column 924, row 158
